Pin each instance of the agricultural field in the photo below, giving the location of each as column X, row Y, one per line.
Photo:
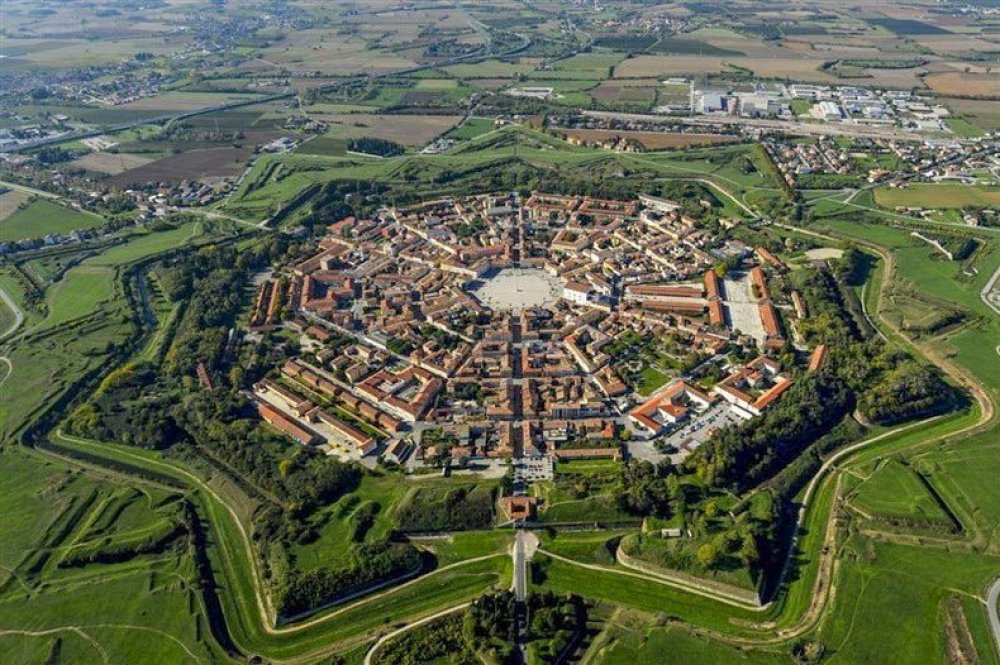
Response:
column 40, row 217
column 153, row 515
column 644, row 66
column 409, row 130
column 318, row 51
column 982, row 114
column 197, row 164
column 184, row 101
column 961, row 84
column 10, row 202
column 111, row 163
column 921, row 195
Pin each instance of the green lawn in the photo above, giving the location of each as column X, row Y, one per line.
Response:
column 639, row 640
column 144, row 608
column 908, row 584
column 336, row 523
column 963, row 128
column 470, row 129
column 895, row 490
column 42, row 217
column 927, row 195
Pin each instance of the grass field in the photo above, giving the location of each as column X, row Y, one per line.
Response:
column 409, row 130
column 85, row 313
column 42, row 217
column 335, row 524
column 638, row 638
column 10, row 200
column 878, row 577
column 895, row 489
column 111, row 163
column 926, row 195
column 963, row 128
column 147, row 606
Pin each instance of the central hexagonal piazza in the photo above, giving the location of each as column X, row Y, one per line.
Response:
column 491, row 326
column 515, row 289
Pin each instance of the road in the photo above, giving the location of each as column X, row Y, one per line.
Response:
column 992, row 597
column 18, row 315
column 523, row 549
column 525, row 544
column 804, row 128
column 264, row 99
column 388, row 636
column 991, row 299
column 11, row 329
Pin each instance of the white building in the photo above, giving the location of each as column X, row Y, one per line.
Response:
column 826, row 111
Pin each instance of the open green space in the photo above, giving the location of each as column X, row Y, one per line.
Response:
column 41, row 217
column 924, row 195
column 896, row 489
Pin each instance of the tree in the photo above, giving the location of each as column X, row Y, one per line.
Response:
column 707, row 555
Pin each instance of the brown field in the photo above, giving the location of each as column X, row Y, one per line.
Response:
column 183, row 101
column 110, row 163
column 897, row 78
column 951, row 44
column 800, row 69
column 960, row 83
column 628, row 90
column 817, row 47
column 651, row 140
column 411, row 130
column 490, row 84
column 318, row 50
column 645, row 66
column 199, row 164
column 971, row 68
column 10, row 200
column 983, row 114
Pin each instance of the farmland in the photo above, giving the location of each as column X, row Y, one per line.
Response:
column 111, row 163
column 41, row 217
column 938, row 196
column 156, row 509
column 409, row 130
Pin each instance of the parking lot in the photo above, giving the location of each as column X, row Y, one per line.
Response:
column 688, row 436
column 530, row 469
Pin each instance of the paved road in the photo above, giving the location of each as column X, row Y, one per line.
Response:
column 991, row 299
column 18, row 315
column 992, row 597
column 525, row 544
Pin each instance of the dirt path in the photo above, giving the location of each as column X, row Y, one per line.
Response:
column 52, row 631
column 388, row 636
